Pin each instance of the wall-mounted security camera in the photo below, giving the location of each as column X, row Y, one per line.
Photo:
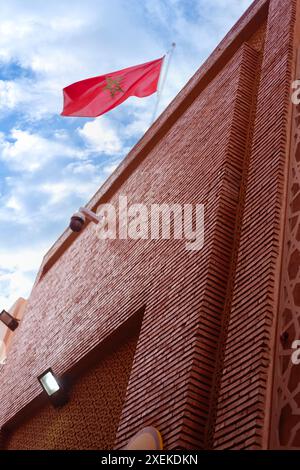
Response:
column 79, row 219
column 77, row 222
column 8, row 320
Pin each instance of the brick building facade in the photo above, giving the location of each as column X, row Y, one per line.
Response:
column 149, row 333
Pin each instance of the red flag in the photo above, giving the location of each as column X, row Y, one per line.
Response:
column 95, row 96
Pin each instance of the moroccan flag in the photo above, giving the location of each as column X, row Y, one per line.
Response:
column 95, row 96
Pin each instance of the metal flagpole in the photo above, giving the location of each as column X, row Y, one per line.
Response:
column 162, row 79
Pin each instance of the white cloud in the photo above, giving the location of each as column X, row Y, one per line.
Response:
column 101, row 136
column 34, row 99
column 38, row 206
column 10, row 94
column 58, row 192
column 62, row 44
column 141, row 114
column 82, row 168
column 14, row 203
column 16, row 267
column 26, row 151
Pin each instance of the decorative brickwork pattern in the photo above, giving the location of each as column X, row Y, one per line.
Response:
column 286, row 403
column 245, row 391
column 240, row 160
column 90, row 419
column 257, row 41
column 242, row 72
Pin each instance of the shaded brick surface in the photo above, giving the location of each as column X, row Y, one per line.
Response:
column 90, row 419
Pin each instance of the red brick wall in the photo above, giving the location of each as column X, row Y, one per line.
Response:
column 90, row 419
column 245, row 390
column 201, row 155
column 95, row 286
column 285, row 407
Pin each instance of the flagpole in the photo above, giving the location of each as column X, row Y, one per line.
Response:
column 162, row 80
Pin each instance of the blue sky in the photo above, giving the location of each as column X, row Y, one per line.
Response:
column 50, row 165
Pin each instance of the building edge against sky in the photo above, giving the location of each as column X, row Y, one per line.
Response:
column 146, row 333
